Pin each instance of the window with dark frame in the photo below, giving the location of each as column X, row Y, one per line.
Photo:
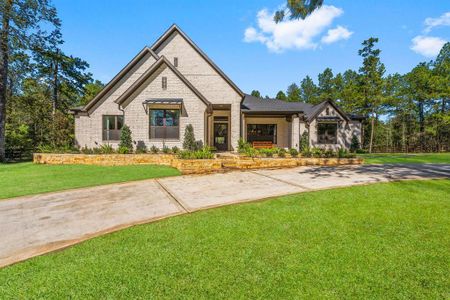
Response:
column 112, row 126
column 262, row 133
column 164, row 124
column 164, row 83
column 327, row 133
column 175, row 62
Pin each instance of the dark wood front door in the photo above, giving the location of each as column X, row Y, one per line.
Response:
column 221, row 136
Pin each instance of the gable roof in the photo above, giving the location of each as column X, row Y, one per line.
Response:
column 162, row 60
column 175, row 28
column 119, row 76
column 252, row 104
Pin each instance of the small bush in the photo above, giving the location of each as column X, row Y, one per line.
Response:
column 293, row 152
column 361, row 151
column 281, row 152
column 45, row 149
column 316, row 152
column 154, row 149
column 123, row 150
column 175, row 149
column 354, row 145
column 307, row 152
column 106, row 149
column 328, row 154
column 304, row 141
column 96, row 150
column 125, row 139
column 267, row 152
column 165, row 149
column 251, row 152
column 204, row 153
column 86, row 150
column 141, row 148
column 189, row 142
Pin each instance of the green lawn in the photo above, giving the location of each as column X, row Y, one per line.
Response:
column 27, row 178
column 382, row 241
column 406, row 158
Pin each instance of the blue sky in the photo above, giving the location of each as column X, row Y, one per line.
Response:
column 238, row 35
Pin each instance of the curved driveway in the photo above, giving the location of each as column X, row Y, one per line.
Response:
column 34, row 225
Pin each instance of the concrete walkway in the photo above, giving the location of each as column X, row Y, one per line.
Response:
column 34, row 225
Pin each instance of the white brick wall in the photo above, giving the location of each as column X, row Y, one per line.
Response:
column 200, row 73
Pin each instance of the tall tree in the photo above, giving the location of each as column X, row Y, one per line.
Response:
column 326, row 85
column 308, row 91
column 297, row 9
column 371, row 82
column 21, row 22
column 441, row 72
column 420, row 88
column 256, row 93
column 90, row 91
column 293, row 93
column 281, row 96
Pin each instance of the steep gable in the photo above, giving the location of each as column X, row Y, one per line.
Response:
column 197, row 67
column 124, row 79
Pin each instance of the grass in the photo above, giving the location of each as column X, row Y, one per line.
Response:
column 27, row 178
column 386, row 241
column 406, row 158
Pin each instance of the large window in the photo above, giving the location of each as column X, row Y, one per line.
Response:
column 112, row 126
column 327, row 133
column 164, row 123
column 262, row 132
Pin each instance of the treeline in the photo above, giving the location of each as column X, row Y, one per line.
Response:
column 404, row 112
column 38, row 81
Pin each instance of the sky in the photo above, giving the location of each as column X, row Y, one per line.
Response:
column 242, row 39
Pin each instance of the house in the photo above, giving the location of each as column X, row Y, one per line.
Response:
column 173, row 83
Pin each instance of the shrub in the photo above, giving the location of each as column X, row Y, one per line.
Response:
column 44, row 149
column 316, row 152
column 267, row 152
column 106, row 149
column 175, row 149
column 328, row 153
column 204, row 153
column 86, row 150
column 251, row 152
column 96, row 150
column 281, row 152
column 189, row 142
column 154, row 149
column 307, row 152
column 165, row 149
column 141, row 148
column 304, row 141
column 125, row 139
column 343, row 153
column 123, row 150
column 293, row 152
column 355, row 145
column 361, row 151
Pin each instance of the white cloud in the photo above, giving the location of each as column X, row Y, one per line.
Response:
column 292, row 34
column 336, row 34
column 428, row 46
column 443, row 20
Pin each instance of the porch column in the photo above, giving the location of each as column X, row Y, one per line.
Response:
column 295, row 132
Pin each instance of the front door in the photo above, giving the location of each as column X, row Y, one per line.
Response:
column 221, row 136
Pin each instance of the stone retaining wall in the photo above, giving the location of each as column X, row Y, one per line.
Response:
column 189, row 166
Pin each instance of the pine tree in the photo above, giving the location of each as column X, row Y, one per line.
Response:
column 293, row 93
column 189, row 142
column 308, row 91
column 326, row 85
column 281, row 96
column 126, row 142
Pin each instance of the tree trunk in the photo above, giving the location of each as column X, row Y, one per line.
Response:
column 4, row 60
column 372, row 125
column 444, row 102
column 421, row 126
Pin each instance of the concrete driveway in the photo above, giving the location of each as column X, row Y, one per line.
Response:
column 34, row 225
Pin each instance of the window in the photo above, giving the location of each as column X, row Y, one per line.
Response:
column 327, row 133
column 164, row 83
column 327, row 111
column 262, row 132
column 112, row 126
column 164, row 123
column 175, row 62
